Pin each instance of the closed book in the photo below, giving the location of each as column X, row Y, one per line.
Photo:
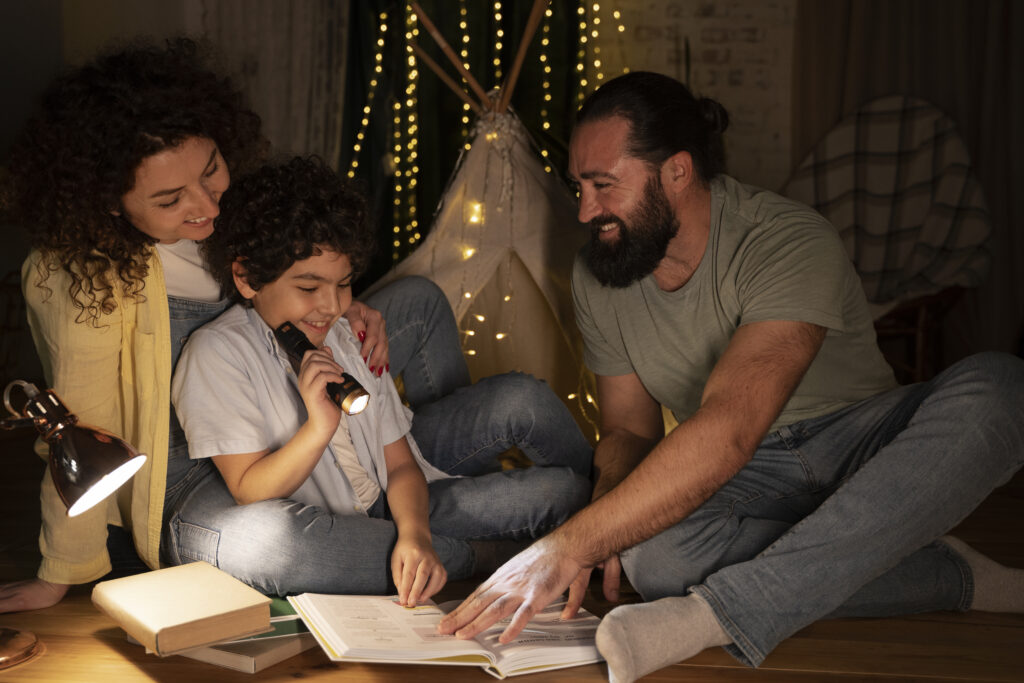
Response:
column 181, row 608
column 250, row 655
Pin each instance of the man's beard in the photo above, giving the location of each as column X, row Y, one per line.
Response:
column 641, row 243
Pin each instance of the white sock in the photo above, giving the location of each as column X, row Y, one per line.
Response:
column 638, row 639
column 996, row 588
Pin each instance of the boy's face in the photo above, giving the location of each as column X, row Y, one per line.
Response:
column 312, row 294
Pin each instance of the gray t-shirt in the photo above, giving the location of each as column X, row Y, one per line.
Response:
column 767, row 258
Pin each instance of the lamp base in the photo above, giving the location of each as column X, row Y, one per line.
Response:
column 17, row 647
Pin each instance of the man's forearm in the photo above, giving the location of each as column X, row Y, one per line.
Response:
column 675, row 478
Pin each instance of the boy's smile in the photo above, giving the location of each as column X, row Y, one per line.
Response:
column 312, row 294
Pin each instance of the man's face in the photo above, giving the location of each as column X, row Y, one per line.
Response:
column 622, row 201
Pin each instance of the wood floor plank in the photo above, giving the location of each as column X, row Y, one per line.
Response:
column 82, row 645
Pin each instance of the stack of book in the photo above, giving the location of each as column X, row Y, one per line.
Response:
column 198, row 611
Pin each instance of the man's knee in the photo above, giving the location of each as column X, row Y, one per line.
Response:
column 656, row 569
column 992, row 383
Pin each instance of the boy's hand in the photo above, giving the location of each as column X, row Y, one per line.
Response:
column 417, row 570
column 368, row 326
column 317, row 370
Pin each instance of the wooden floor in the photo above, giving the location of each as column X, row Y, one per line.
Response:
column 80, row 644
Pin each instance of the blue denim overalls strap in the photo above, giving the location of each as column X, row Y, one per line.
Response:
column 186, row 316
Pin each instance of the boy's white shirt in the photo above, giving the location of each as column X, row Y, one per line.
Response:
column 235, row 392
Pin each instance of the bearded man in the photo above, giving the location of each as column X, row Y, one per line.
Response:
column 801, row 481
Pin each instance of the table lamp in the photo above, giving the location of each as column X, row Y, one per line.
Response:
column 87, row 464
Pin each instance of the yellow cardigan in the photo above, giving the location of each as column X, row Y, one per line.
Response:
column 117, row 376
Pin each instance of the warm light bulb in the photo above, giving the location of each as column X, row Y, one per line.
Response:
column 500, row 335
column 468, row 252
column 480, row 317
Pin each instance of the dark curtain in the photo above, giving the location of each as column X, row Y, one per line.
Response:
column 440, row 136
column 964, row 56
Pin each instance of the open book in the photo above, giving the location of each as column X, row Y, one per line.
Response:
column 363, row 628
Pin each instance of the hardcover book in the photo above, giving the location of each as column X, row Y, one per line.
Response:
column 181, row 608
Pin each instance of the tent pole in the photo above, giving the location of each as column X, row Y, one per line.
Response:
column 447, row 49
column 445, row 78
column 531, row 28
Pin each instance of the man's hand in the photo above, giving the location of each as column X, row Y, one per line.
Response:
column 526, row 584
column 20, row 596
column 578, row 588
column 368, row 326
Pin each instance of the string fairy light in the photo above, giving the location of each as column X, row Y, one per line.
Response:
column 581, row 53
column 411, row 122
column 499, row 35
column 595, row 49
column 464, row 55
column 546, row 97
column 378, row 69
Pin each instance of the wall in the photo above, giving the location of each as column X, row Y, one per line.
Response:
column 741, row 54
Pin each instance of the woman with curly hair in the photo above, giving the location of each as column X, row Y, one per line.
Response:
column 117, row 177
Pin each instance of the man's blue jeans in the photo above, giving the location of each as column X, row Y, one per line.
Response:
column 460, row 427
column 839, row 515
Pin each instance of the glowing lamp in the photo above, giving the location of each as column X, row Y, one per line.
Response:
column 87, row 464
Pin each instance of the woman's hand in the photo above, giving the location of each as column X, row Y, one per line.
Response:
column 368, row 326
column 20, row 596
column 417, row 570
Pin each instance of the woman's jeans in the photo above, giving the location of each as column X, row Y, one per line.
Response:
column 839, row 515
column 460, row 427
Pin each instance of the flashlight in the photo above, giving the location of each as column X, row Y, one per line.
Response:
column 349, row 395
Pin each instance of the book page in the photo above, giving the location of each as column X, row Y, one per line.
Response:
column 372, row 627
column 547, row 642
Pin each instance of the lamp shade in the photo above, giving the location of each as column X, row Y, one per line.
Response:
column 86, row 463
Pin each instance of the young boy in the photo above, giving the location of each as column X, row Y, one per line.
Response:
column 348, row 491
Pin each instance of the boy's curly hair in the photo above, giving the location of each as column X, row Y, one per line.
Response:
column 78, row 155
column 287, row 212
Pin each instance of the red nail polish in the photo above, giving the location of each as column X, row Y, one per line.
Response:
column 387, row 367
column 362, row 336
column 380, row 371
column 373, row 368
column 365, row 358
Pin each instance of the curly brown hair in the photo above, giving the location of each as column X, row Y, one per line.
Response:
column 78, row 154
column 283, row 213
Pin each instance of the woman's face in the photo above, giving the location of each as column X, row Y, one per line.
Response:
column 177, row 190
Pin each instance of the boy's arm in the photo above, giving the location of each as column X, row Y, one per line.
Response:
column 415, row 567
column 252, row 477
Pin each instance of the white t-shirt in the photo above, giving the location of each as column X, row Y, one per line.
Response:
column 185, row 272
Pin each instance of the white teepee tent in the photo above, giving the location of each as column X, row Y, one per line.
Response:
column 501, row 248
